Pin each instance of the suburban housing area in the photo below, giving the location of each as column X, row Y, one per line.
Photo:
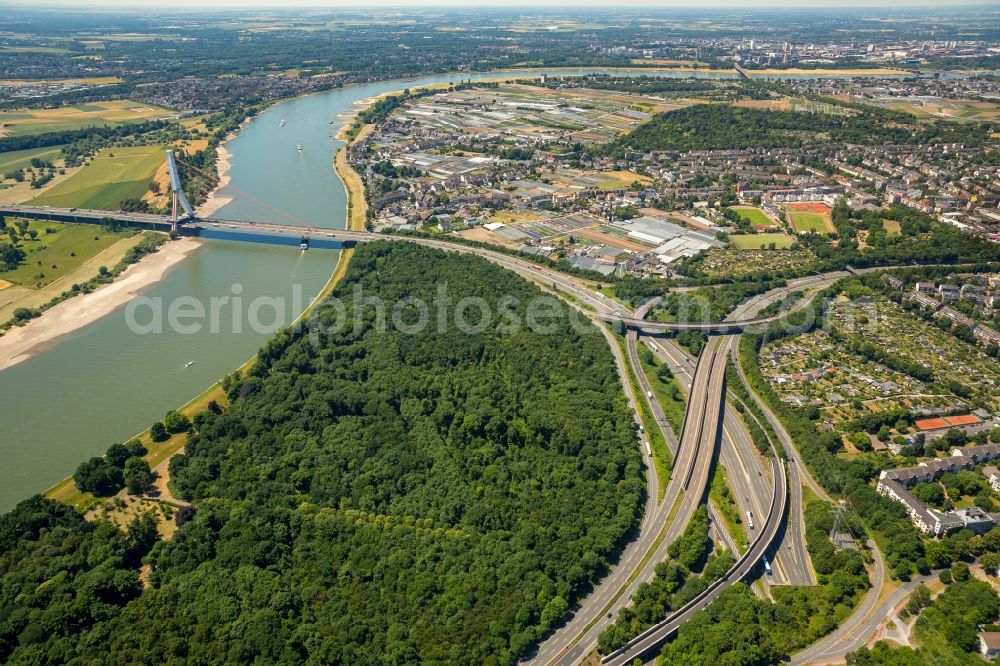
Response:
column 500, row 335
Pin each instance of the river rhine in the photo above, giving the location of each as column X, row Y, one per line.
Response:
column 104, row 382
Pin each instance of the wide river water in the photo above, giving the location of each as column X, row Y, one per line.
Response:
column 105, row 382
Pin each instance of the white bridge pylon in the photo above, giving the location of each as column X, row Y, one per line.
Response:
column 177, row 189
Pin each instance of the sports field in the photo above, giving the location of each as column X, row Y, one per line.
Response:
column 805, row 222
column 810, row 217
column 756, row 216
column 22, row 122
column 114, row 174
column 761, row 241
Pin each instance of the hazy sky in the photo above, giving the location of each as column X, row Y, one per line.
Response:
column 355, row 4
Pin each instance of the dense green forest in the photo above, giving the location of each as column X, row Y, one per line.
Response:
column 722, row 126
column 737, row 628
column 367, row 497
column 712, row 303
column 674, row 584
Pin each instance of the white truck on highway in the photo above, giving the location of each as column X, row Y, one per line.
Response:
column 750, row 519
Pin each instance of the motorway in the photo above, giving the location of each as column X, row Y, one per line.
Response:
column 631, row 345
column 703, row 426
column 163, row 223
column 746, row 473
column 86, row 216
column 703, row 421
column 792, row 564
column 684, row 493
column 853, row 632
column 744, row 465
column 792, row 561
column 647, row 643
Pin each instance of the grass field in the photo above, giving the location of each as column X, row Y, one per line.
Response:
column 59, row 251
column 509, row 216
column 18, row 159
column 805, row 222
column 22, row 122
column 616, row 179
column 761, row 241
column 755, row 215
column 891, row 227
column 114, row 174
column 668, row 393
column 722, row 497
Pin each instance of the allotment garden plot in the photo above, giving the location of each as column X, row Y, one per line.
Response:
column 833, row 372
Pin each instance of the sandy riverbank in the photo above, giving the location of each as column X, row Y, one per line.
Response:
column 215, row 201
column 22, row 343
column 860, row 72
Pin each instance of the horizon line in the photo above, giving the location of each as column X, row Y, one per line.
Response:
column 130, row 6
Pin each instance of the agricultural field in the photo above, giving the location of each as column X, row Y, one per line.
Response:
column 510, row 216
column 618, row 179
column 56, row 250
column 18, row 159
column 481, row 235
column 113, row 175
column 799, row 104
column 601, row 180
column 534, row 113
column 775, row 241
column 810, row 218
column 23, row 122
column 937, row 108
column 757, row 217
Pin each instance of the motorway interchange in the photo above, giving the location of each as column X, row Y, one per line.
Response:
column 765, row 488
column 711, row 428
column 769, row 490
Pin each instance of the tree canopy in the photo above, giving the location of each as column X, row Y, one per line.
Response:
column 369, row 496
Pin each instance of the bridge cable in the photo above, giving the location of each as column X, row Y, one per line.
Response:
column 243, row 193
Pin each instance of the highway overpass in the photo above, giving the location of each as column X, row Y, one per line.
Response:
column 320, row 237
column 649, row 642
